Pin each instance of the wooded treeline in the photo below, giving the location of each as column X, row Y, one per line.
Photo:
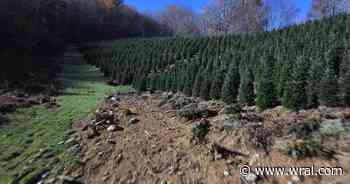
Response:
column 221, row 17
column 302, row 66
column 32, row 32
column 41, row 25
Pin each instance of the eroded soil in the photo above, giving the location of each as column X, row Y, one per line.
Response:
column 159, row 148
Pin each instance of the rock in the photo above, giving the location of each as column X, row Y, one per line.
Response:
column 332, row 127
column 230, row 125
column 70, row 141
column 179, row 101
column 226, row 173
column 251, row 117
column 251, row 178
column 212, row 105
column 111, row 128
column 192, row 111
column 133, row 121
column 69, row 180
column 295, row 179
column 254, row 159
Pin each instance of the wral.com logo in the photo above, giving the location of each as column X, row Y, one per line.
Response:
column 250, row 174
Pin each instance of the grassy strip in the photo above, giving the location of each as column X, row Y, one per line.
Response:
column 33, row 141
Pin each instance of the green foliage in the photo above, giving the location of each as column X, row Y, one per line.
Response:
column 215, row 90
column 231, row 84
column 347, row 88
column 246, row 89
column 266, row 96
column 312, row 89
column 288, row 65
column 329, row 88
column 295, row 97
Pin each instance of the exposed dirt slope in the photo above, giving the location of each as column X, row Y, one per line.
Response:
column 158, row 149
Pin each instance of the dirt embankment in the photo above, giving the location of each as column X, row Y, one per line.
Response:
column 157, row 138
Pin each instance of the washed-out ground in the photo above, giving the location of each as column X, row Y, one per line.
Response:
column 143, row 139
column 34, row 141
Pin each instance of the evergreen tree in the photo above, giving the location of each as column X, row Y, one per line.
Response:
column 230, row 87
column 329, row 88
column 205, row 86
column 266, row 95
column 246, row 88
column 295, row 97
column 215, row 90
column 197, row 84
column 312, row 89
column 347, row 88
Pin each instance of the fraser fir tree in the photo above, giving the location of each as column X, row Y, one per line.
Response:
column 230, row 87
column 266, row 95
column 197, row 84
column 329, row 88
column 215, row 90
column 205, row 86
column 295, row 96
column 312, row 89
column 246, row 88
column 347, row 88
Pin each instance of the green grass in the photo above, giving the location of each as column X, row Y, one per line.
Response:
column 32, row 142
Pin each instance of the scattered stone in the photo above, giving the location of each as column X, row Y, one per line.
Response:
column 133, row 121
column 191, row 112
column 230, row 125
column 295, row 179
column 251, row 178
column 119, row 158
column 226, row 173
column 69, row 180
column 254, row 159
column 111, row 128
column 251, row 117
column 70, row 141
column 212, row 105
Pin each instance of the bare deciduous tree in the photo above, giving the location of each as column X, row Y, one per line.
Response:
column 325, row 8
column 179, row 19
column 285, row 13
column 234, row 16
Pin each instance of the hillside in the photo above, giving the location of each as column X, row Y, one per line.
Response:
column 279, row 67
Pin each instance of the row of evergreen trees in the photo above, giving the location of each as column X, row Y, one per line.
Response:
column 302, row 66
